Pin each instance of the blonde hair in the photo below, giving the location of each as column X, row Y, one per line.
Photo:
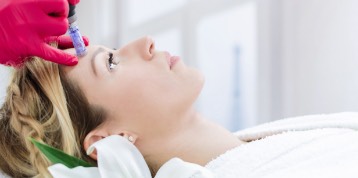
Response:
column 43, row 104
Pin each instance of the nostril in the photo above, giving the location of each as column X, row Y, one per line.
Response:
column 147, row 47
column 150, row 44
column 151, row 48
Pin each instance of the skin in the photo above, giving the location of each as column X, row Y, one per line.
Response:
column 147, row 99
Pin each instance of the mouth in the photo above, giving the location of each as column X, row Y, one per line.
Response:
column 172, row 60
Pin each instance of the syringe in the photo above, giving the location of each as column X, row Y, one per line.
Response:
column 74, row 32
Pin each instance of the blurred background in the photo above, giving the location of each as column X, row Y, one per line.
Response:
column 262, row 60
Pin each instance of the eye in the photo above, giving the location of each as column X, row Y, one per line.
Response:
column 111, row 63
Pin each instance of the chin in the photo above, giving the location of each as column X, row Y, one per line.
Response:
column 189, row 90
column 200, row 80
column 197, row 86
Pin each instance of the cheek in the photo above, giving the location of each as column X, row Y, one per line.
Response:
column 148, row 93
column 139, row 93
column 133, row 106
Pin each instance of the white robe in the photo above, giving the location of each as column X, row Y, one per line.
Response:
column 309, row 146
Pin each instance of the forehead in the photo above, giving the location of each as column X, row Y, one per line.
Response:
column 83, row 68
column 83, row 60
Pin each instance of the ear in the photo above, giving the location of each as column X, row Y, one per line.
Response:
column 91, row 138
column 98, row 134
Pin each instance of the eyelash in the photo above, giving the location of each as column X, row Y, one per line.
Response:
column 111, row 64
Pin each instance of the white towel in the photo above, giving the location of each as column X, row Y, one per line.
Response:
column 117, row 157
column 309, row 146
column 3, row 175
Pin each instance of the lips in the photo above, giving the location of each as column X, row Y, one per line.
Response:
column 172, row 60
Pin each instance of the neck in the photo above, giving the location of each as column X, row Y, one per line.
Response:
column 198, row 141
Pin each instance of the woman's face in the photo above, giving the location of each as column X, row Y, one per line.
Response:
column 146, row 92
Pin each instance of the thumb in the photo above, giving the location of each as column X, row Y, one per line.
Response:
column 52, row 54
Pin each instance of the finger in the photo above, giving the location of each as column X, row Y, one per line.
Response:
column 73, row 2
column 50, row 26
column 51, row 39
column 54, row 8
column 65, row 41
column 52, row 54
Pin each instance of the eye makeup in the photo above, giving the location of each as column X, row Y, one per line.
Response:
column 111, row 63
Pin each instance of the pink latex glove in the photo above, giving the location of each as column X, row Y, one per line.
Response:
column 24, row 26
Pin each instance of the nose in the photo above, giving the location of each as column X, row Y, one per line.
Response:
column 144, row 47
column 148, row 48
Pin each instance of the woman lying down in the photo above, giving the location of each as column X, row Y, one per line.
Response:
column 130, row 112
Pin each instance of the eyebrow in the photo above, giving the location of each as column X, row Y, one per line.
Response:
column 99, row 50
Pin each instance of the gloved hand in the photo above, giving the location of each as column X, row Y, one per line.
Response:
column 25, row 25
